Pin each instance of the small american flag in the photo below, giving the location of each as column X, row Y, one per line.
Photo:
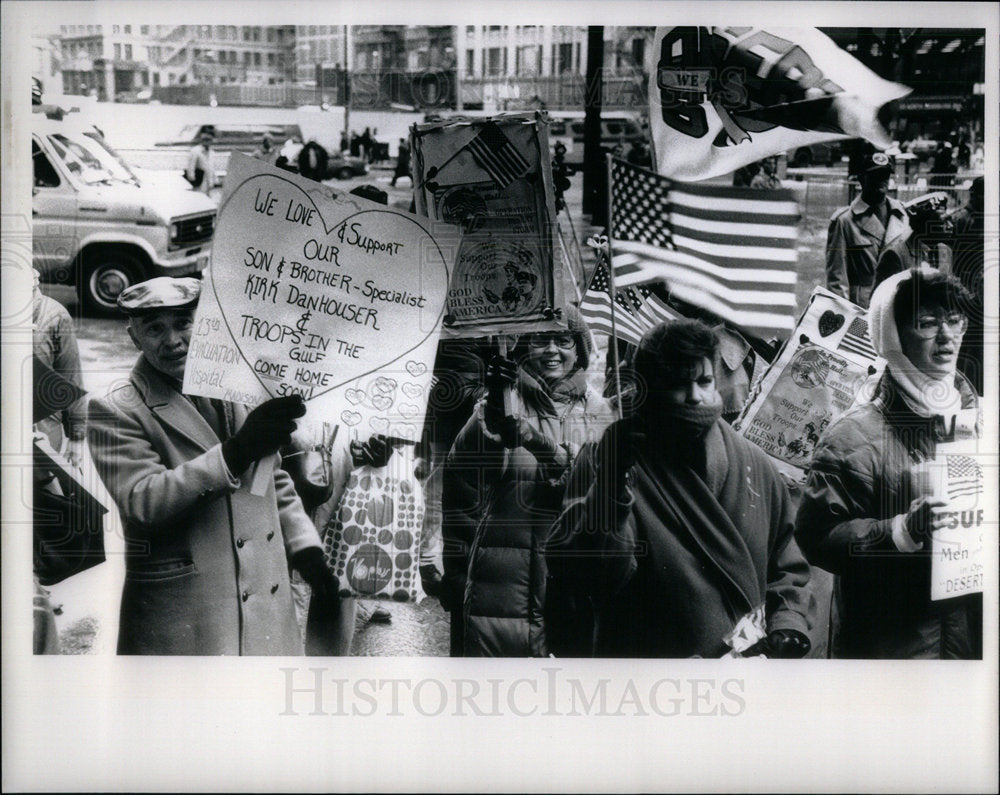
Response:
column 730, row 251
column 856, row 340
column 637, row 310
column 496, row 155
column 965, row 478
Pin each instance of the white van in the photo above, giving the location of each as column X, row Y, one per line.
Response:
column 96, row 224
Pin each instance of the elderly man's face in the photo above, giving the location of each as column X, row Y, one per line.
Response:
column 931, row 341
column 163, row 337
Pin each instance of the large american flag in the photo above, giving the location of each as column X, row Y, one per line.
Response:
column 730, row 251
column 637, row 308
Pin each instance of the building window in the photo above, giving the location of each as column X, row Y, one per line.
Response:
column 128, row 28
column 246, row 58
column 118, row 52
column 128, row 52
column 116, row 29
column 246, row 34
column 270, row 59
column 470, row 31
column 256, row 59
column 470, row 63
column 270, row 34
column 495, row 61
column 144, row 30
column 563, row 58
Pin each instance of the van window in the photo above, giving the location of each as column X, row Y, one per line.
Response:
column 45, row 173
column 614, row 128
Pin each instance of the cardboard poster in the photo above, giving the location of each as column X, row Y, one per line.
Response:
column 320, row 293
column 957, row 551
column 823, row 369
column 492, row 177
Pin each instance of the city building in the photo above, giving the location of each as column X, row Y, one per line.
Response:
column 129, row 62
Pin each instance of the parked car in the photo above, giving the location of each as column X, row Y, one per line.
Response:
column 826, row 153
column 233, row 137
column 617, row 129
column 99, row 226
column 313, row 161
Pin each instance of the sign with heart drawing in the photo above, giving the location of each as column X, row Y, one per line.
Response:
column 320, row 293
column 827, row 365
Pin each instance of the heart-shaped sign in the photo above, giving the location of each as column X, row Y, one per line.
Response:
column 317, row 296
column 412, row 390
column 829, row 322
column 408, row 410
column 354, row 396
column 381, row 402
column 380, row 424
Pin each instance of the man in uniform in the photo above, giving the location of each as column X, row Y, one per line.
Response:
column 860, row 232
column 206, row 560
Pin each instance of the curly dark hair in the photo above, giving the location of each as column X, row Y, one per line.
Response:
column 670, row 349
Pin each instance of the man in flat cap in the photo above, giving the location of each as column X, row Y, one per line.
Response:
column 206, row 560
column 860, row 232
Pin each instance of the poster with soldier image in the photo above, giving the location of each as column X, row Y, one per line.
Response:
column 823, row 369
column 492, row 177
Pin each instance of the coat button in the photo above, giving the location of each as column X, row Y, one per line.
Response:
column 270, row 535
column 240, row 542
column 274, row 588
column 246, row 595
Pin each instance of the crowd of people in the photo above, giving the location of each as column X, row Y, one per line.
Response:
column 562, row 518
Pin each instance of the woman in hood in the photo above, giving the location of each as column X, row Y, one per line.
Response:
column 868, row 512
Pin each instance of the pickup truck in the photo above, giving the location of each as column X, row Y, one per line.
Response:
column 98, row 225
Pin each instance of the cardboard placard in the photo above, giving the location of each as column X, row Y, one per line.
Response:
column 958, row 552
column 320, row 293
column 826, row 365
column 493, row 177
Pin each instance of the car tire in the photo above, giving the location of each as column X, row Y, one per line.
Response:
column 345, row 173
column 104, row 274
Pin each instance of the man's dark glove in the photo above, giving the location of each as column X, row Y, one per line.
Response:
column 310, row 564
column 784, row 644
column 376, row 452
column 267, row 428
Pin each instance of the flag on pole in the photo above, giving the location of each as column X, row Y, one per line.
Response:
column 730, row 251
column 496, row 155
column 638, row 309
column 724, row 97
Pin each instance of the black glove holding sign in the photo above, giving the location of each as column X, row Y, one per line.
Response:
column 267, row 428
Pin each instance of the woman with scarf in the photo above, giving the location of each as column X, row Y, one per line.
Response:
column 680, row 530
column 503, row 487
column 865, row 515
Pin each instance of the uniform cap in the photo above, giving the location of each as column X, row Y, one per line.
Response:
column 163, row 292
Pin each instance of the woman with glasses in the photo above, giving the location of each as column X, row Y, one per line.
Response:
column 503, row 486
column 867, row 514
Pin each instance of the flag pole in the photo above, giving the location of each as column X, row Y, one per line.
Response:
column 613, row 343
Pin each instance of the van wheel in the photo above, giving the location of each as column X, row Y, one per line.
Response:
column 105, row 274
column 345, row 173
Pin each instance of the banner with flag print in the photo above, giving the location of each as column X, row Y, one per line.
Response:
column 497, row 156
column 724, row 97
column 729, row 251
column 637, row 309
